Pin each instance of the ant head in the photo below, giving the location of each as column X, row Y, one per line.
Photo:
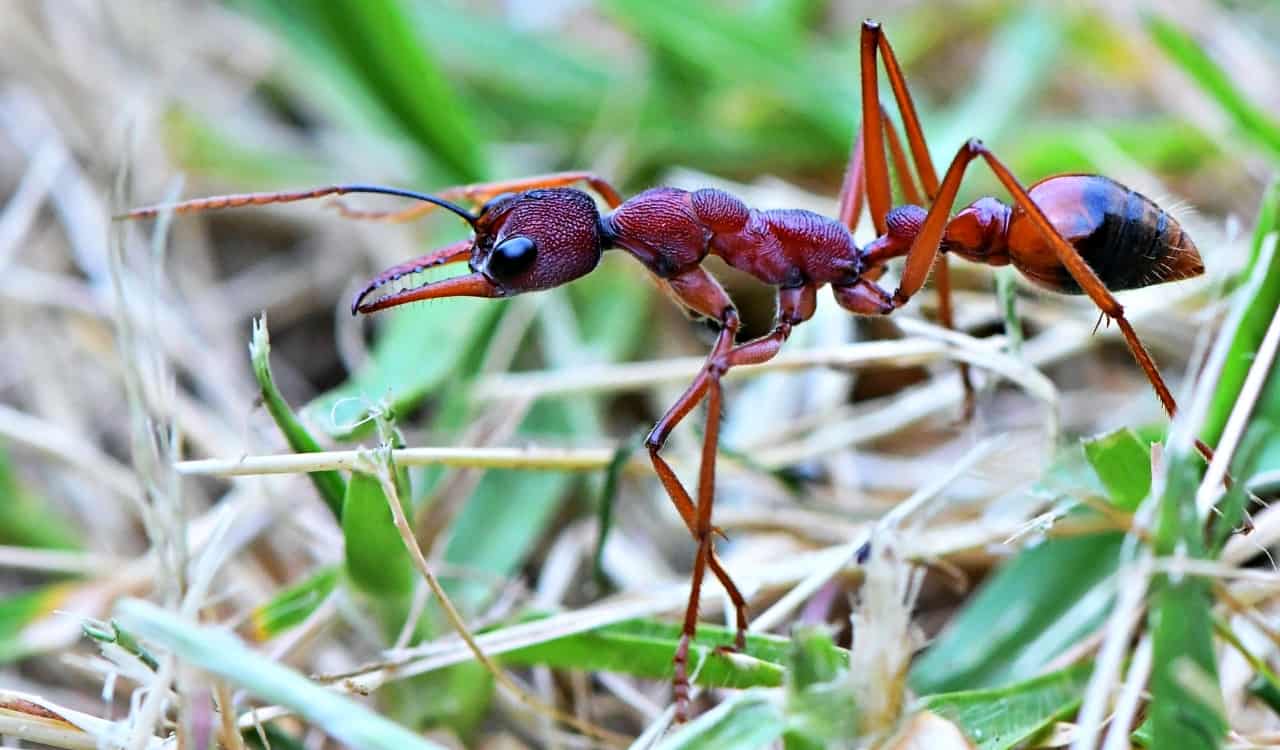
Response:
column 524, row 242
column 537, row 239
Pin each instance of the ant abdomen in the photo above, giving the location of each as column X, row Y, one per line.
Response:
column 1127, row 239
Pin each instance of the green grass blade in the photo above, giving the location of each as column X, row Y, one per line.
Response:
column 1268, row 224
column 1006, row 717
column 216, row 651
column 1187, row 53
column 1266, row 691
column 1259, row 446
column 1260, row 297
column 553, row 86
column 377, row 561
column 1186, row 708
column 379, row 51
column 330, row 484
column 644, row 648
column 744, row 721
column 1122, row 460
column 1034, row 608
column 292, row 605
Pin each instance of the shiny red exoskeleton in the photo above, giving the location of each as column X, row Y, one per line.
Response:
column 1068, row 233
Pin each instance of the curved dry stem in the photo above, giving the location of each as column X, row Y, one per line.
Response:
column 381, row 469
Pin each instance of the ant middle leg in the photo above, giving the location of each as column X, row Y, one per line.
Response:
column 875, row 123
column 794, row 306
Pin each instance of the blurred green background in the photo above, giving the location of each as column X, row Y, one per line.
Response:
column 1177, row 99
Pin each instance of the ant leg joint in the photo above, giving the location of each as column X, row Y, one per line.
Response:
column 870, row 24
column 975, row 146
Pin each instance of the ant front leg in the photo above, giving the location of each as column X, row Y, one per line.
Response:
column 479, row 193
column 697, row 288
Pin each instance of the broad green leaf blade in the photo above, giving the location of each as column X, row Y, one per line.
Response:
column 1186, row 709
column 1037, row 605
column 1006, row 717
column 1191, row 57
column 745, row 721
column 218, row 652
column 1122, row 460
column 292, row 605
column 330, row 484
column 377, row 561
column 644, row 648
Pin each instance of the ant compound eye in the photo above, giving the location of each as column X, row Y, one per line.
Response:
column 512, row 257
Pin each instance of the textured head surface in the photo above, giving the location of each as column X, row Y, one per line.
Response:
column 537, row 239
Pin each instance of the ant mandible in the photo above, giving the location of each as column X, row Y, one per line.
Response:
column 1071, row 233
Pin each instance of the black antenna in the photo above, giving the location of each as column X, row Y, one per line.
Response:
column 292, row 196
column 441, row 202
